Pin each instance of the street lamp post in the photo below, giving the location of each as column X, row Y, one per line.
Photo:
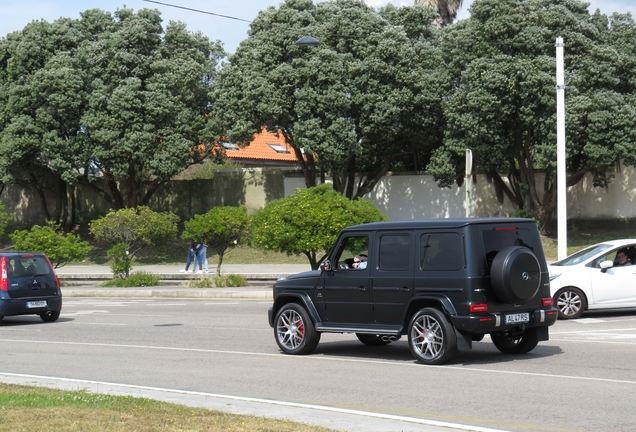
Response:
column 562, row 217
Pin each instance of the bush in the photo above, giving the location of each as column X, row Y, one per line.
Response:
column 60, row 247
column 135, row 227
column 138, row 279
column 231, row 280
column 308, row 222
column 121, row 261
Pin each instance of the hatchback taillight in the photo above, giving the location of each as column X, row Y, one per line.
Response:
column 4, row 277
column 57, row 280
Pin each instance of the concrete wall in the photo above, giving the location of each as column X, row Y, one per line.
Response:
column 403, row 196
column 400, row 196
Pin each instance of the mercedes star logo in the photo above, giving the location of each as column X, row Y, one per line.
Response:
column 525, row 276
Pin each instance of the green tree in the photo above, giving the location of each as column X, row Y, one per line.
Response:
column 136, row 228
column 4, row 218
column 367, row 98
column 309, row 221
column 221, row 229
column 114, row 102
column 60, row 247
column 503, row 105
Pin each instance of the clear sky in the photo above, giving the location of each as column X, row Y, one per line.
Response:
column 15, row 14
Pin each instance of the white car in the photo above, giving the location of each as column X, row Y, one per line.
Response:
column 594, row 278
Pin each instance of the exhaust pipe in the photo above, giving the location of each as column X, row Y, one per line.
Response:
column 389, row 338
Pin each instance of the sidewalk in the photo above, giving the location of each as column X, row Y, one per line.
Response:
column 82, row 280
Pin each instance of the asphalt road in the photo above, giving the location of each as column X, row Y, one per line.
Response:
column 583, row 379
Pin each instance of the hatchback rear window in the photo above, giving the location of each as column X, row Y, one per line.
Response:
column 28, row 265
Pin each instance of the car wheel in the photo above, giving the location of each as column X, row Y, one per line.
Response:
column 372, row 340
column 294, row 331
column 571, row 302
column 513, row 343
column 432, row 339
column 50, row 316
column 515, row 275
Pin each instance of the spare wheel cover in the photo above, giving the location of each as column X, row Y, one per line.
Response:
column 515, row 275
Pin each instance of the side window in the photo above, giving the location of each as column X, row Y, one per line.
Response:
column 352, row 249
column 613, row 256
column 395, row 252
column 441, row 251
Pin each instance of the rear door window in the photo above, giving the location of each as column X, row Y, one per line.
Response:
column 395, row 252
column 440, row 251
column 499, row 238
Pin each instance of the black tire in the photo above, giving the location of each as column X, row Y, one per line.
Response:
column 571, row 302
column 432, row 339
column 515, row 275
column 372, row 340
column 50, row 316
column 294, row 331
column 511, row 343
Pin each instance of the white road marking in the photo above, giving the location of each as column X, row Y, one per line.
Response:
column 221, row 303
column 96, row 384
column 107, row 324
column 322, row 358
column 84, row 312
column 166, row 304
column 592, row 331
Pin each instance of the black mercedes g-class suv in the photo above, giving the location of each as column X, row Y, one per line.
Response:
column 443, row 282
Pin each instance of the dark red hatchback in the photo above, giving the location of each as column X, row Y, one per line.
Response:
column 29, row 286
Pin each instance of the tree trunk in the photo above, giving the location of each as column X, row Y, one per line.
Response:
column 218, row 269
column 40, row 192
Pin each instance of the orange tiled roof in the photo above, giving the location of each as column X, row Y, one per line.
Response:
column 261, row 149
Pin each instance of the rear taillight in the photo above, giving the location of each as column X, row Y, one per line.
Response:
column 548, row 301
column 57, row 280
column 4, row 277
column 478, row 307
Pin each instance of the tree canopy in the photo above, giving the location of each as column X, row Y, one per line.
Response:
column 116, row 102
column 308, row 222
column 220, row 229
column 503, row 105
column 136, row 228
column 367, row 98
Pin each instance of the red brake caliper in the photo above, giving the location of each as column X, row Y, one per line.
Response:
column 301, row 328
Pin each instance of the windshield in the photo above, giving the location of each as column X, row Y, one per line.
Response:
column 582, row 255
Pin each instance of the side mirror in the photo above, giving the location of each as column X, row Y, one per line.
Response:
column 606, row 265
column 326, row 266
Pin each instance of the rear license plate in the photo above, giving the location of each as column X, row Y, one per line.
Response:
column 517, row 318
column 36, row 304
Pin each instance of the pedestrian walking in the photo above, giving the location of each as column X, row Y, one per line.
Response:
column 191, row 256
column 201, row 257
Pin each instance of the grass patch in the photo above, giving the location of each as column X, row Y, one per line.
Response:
column 583, row 235
column 580, row 235
column 230, row 280
column 137, row 279
column 49, row 410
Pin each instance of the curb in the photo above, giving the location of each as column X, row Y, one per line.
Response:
column 172, row 292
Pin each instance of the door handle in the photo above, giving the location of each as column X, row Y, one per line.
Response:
column 407, row 289
column 361, row 288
